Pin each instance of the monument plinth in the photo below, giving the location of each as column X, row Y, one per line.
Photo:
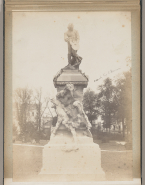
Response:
column 75, row 77
column 66, row 158
column 71, row 154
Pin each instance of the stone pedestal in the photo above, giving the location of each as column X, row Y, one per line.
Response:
column 64, row 161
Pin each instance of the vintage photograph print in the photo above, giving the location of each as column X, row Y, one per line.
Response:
column 72, row 96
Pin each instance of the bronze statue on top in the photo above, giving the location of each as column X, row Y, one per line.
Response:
column 72, row 38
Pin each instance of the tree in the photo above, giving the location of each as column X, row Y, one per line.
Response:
column 124, row 91
column 90, row 104
column 107, row 102
column 22, row 100
column 41, row 105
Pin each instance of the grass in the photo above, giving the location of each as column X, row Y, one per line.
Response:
column 27, row 162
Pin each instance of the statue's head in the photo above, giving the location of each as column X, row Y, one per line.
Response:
column 53, row 102
column 70, row 27
column 78, row 105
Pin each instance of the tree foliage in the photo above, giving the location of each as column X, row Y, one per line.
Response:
column 22, row 100
column 41, row 105
column 25, row 101
column 107, row 102
column 90, row 105
column 112, row 102
column 124, row 91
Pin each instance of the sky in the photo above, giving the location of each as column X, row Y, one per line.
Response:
column 39, row 50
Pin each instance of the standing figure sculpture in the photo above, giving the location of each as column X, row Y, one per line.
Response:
column 72, row 38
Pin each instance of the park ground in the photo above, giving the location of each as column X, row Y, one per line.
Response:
column 116, row 161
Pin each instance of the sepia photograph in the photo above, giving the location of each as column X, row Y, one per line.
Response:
column 72, row 98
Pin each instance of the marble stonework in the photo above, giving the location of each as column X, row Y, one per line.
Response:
column 71, row 154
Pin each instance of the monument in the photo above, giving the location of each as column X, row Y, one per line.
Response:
column 71, row 154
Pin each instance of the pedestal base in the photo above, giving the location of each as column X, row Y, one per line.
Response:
column 64, row 161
